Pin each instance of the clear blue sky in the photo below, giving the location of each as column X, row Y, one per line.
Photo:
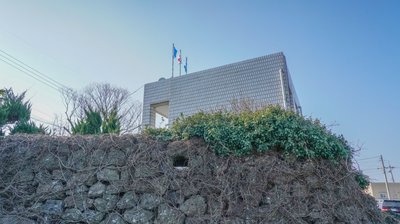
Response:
column 344, row 56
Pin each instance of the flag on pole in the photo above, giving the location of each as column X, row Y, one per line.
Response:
column 185, row 66
column 174, row 50
column 179, row 58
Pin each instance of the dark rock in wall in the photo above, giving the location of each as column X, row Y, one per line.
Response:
column 53, row 207
column 77, row 201
column 169, row 215
column 116, row 157
column 93, row 216
column 72, row 214
column 129, row 200
column 113, row 218
column 98, row 157
column 15, row 219
column 149, row 201
column 106, row 203
column 97, row 190
column 108, row 174
column 194, row 206
column 138, row 215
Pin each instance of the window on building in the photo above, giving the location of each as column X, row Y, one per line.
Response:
column 382, row 195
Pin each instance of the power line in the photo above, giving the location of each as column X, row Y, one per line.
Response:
column 40, row 74
column 45, row 122
column 374, row 157
column 130, row 94
column 30, row 71
column 370, row 169
column 49, row 85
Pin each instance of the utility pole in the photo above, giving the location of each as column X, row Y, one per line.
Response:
column 386, row 182
column 391, row 172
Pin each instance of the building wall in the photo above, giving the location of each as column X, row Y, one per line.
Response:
column 378, row 191
column 257, row 79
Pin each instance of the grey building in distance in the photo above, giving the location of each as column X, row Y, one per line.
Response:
column 264, row 80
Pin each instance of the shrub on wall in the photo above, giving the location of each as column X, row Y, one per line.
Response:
column 248, row 132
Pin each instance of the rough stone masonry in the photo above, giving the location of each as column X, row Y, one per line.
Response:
column 134, row 179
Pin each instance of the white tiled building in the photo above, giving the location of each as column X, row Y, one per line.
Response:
column 264, row 80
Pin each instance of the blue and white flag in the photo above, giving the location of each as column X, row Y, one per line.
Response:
column 174, row 51
column 185, row 66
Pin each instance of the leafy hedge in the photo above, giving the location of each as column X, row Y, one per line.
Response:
column 271, row 128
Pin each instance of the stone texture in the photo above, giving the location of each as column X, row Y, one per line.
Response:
column 113, row 218
column 194, row 206
column 149, row 201
column 170, row 198
column 116, row 157
column 189, row 189
column 77, row 160
column 159, row 185
column 174, row 197
column 50, row 161
column 77, row 201
column 193, row 220
column 81, row 189
column 98, row 156
column 146, row 171
column 114, row 188
column 82, row 178
column 51, row 187
column 72, row 214
column 93, row 217
column 97, row 190
column 138, row 216
column 169, row 215
column 25, row 175
column 64, row 175
column 43, row 176
column 129, row 200
column 53, row 207
column 126, row 174
column 234, row 220
column 13, row 219
column 107, row 203
column 108, row 174
column 35, row 208
column 90, row 203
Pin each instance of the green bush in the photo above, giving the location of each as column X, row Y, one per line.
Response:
column 27, row 127
column 158, row 133
column 271, row 128
column 362, row 180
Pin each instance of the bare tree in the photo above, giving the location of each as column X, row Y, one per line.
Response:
column 59, row 126
column 104, row 99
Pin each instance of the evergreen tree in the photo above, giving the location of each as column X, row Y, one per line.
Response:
column 15, row 114
column 91, row 124
column 94, row 124
column 111, row 124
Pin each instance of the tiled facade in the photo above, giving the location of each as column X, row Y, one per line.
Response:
column 264, row 80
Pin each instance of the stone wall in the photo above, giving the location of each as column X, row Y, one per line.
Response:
column 133, row 179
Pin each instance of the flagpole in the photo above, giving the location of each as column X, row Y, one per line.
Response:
column 186, row 66
column 180, row 62
column 173, row 47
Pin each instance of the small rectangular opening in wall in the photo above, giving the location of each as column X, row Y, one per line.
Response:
column 181, row 162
